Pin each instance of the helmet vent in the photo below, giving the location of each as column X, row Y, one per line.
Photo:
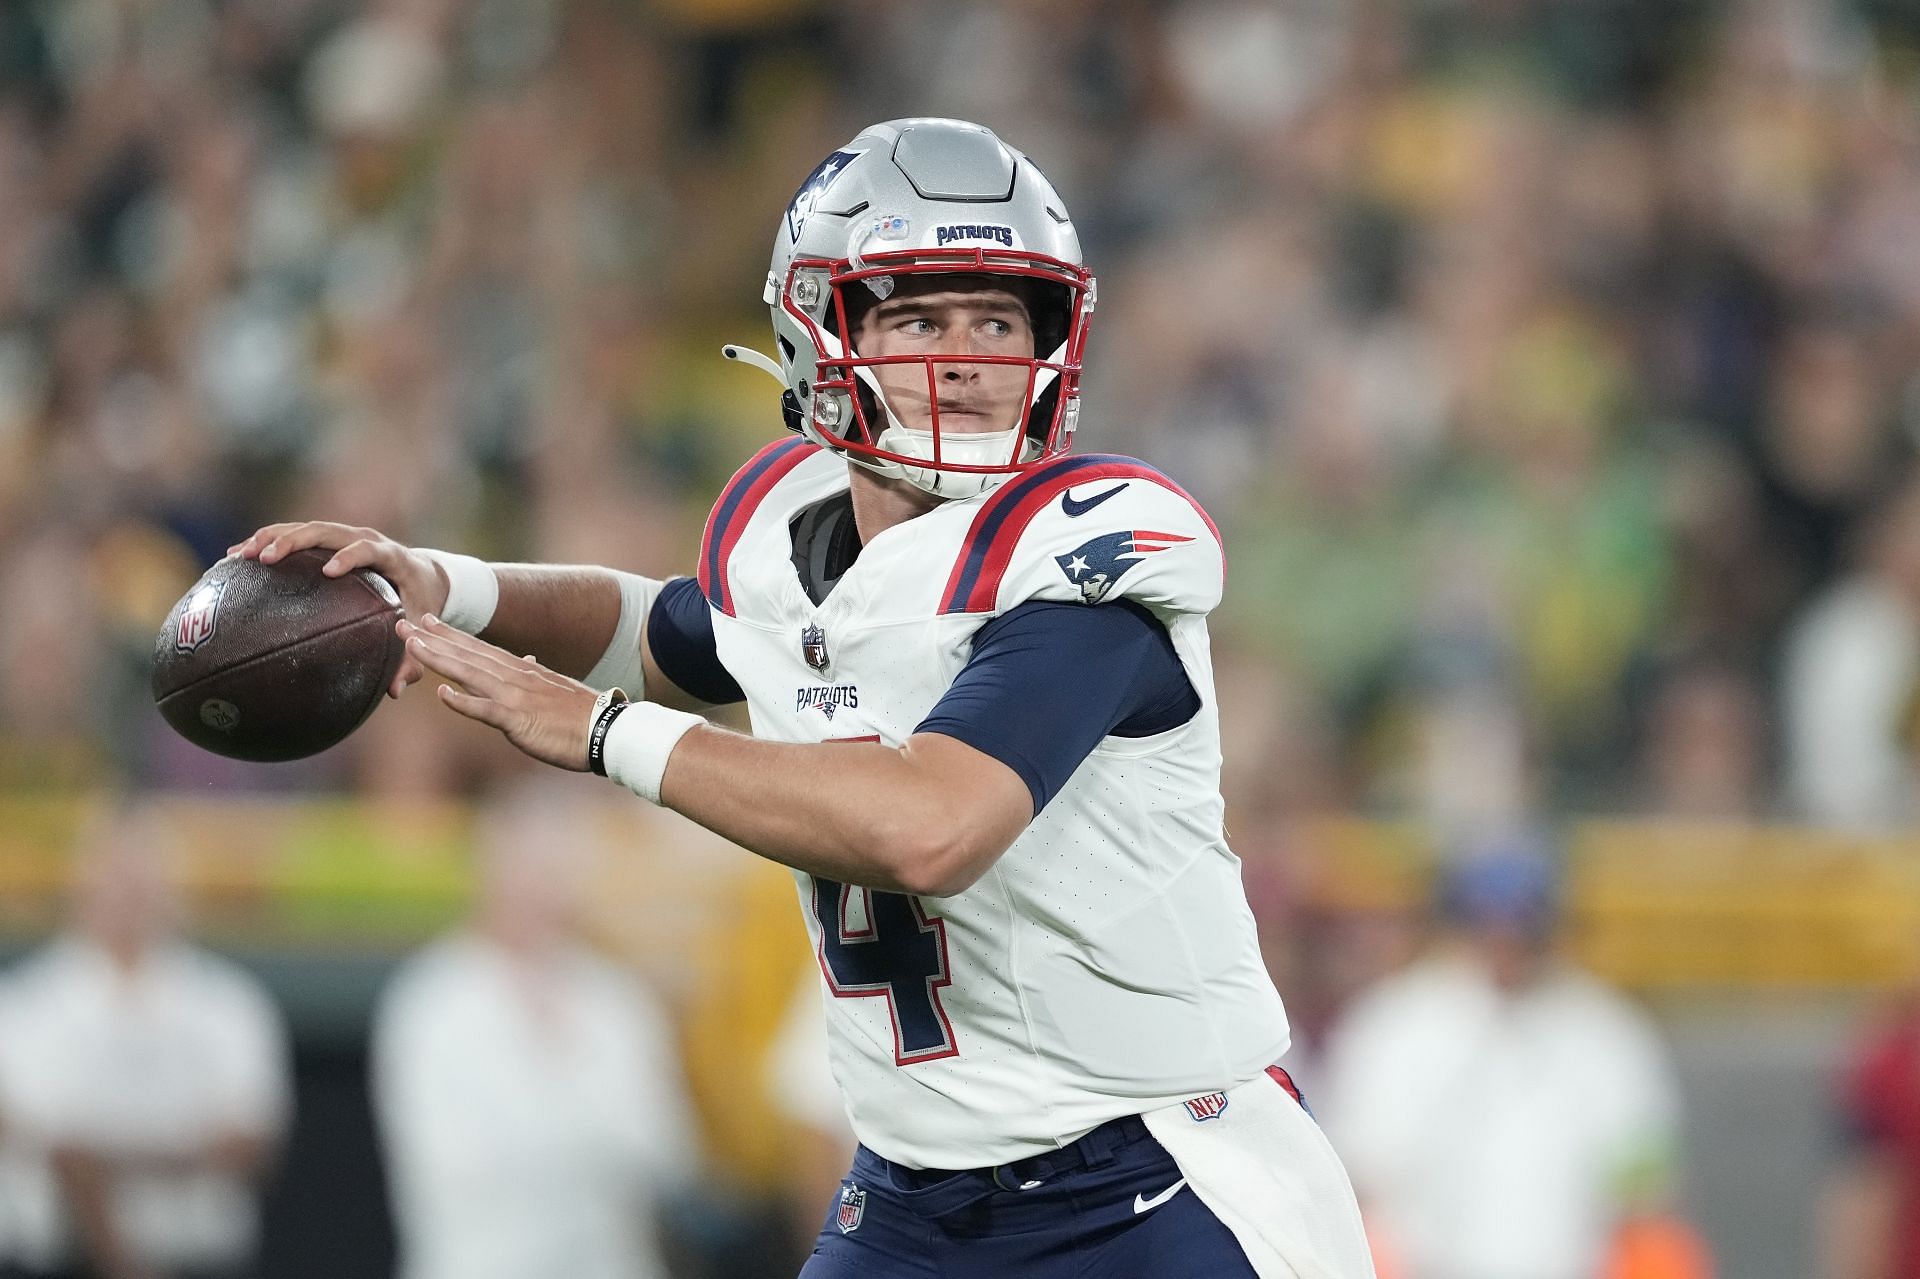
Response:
column 955, row 164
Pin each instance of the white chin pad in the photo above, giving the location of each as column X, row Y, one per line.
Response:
column 991, row 448
column 986, row 449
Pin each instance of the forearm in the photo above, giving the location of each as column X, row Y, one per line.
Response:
column 562, row 614
column 858, row 812
column 925, row 818
column 566, row 615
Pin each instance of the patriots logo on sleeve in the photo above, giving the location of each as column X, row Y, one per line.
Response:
column 1095, row 566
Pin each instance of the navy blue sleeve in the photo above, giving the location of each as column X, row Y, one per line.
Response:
column 1047, row 681
column 680, row 636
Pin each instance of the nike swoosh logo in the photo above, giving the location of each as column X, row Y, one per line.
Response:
column 1143, row 1204
column 1073, row 508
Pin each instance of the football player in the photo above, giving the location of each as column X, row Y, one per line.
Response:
column 984, row 738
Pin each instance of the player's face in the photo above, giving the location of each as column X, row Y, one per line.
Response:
column 951, row 316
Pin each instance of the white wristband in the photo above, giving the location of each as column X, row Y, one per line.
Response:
column 473, row 592
column 620, row 666
column 639, row 742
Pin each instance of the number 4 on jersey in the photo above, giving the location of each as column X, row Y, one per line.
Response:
column 875, row 943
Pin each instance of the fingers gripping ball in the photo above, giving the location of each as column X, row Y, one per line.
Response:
column 276, row 661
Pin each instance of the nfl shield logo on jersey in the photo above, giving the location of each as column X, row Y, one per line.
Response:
column 813, row 647
column 853, row 1206
column 1207, row 1107
column 200, row 618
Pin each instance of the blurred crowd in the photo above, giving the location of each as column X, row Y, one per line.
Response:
column 1546, row 363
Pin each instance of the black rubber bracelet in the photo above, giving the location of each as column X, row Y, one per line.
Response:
column 597, row 739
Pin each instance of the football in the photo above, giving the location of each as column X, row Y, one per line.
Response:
column 273, row 662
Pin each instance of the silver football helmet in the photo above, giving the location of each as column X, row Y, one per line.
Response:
column 923, row 197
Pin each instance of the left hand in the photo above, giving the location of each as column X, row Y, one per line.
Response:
column 542, row 712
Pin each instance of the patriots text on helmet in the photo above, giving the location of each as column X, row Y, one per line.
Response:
column 958, row 231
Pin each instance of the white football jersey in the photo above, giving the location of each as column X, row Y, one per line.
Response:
column 1107, row 964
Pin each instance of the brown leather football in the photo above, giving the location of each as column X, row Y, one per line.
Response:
column 276, row 661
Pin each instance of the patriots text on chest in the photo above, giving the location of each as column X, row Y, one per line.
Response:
column 826, row 698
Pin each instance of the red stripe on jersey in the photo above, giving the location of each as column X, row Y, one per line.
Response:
column 733, row 511
column 1285, row 1080
column 1008, row 516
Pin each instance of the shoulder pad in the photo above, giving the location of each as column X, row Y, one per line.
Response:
column 738, row 500
column 1089, row 530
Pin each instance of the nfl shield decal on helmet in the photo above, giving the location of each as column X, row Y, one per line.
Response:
column 1094, row 566
column 813, row 647
column 1207, row 1107
column 853, row 1206
column 200, row 618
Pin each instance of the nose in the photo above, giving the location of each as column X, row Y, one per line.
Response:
column 960, row 370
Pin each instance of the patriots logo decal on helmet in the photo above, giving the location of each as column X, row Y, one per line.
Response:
column 1096, row 565
column 813, row 188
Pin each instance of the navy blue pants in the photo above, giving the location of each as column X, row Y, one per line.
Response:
column 1098, row 1209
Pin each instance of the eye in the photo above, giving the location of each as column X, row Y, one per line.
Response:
column 917, row 326
column 998, row 328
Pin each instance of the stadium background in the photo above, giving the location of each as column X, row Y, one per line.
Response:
column 1547, row 365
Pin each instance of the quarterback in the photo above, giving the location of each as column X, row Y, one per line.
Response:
column 985, row 740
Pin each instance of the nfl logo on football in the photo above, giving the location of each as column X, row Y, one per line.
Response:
column 1207, row 1107
column 853, row 1206
column 200, row 618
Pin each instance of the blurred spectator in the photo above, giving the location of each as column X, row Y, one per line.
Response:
column 1852, row 681
column 1605, row 311
column 529, row 1098
column 1501, row 1113
column 1871, row 1208
column 1704, row 754
column 144, row 1083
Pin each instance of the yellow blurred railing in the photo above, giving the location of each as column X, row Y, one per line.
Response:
column 1665, row 906
column 1649, row 904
